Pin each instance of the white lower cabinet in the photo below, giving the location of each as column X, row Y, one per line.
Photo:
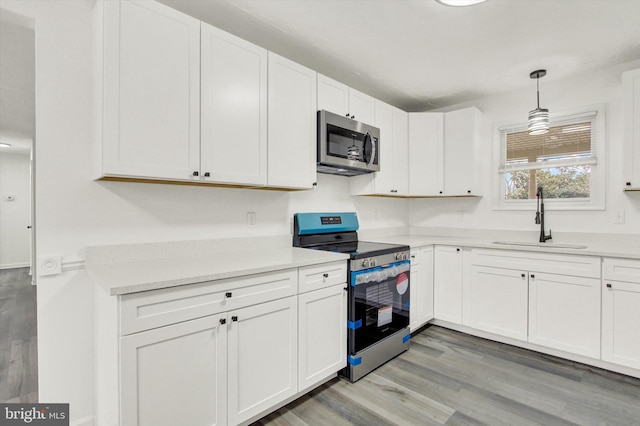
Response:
column 498, row 302
column 447, row 284
column 564, row 313
column 322, row 334
column 545, row 299
column 621, row 312
column 175, row 375
column 421, row 287
column 220, row 352
column 262, row 357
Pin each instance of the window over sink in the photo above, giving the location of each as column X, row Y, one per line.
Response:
column 568, row 162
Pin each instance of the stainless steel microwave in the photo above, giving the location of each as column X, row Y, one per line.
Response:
column 347, row 147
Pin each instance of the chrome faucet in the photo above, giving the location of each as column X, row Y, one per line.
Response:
column 540, row 216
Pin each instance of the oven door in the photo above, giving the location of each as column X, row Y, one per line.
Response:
column 378, row 304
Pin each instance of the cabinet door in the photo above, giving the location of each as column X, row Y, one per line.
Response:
column 631, row 86
column 234, row 109
column 292, row 124
column 151, row 91
column 620, row 323
column 322, row 334
column 499, row 300
column 400, row 150
column 333, row 96
column 361, row 107
column 460, row 134
column 263, row 357
column 417, row 291
column 383, row 180
column 425, row 162
column 175, row 375
column 564, row 313
column 427, row 271
column 447, row 282
column 421, row 287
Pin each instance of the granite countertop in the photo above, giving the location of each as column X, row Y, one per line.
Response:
column 145, row 272
column 603, row 246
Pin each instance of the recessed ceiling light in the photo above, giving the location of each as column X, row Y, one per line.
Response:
column 5, row 145
column 460, row 2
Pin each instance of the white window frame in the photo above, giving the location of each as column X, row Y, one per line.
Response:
column 596, row 201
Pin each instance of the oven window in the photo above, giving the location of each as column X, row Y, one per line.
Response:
column 379, row 307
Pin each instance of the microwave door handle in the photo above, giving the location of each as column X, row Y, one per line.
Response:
column 369, row 139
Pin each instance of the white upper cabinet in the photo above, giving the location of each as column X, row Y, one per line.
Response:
column 340, row 99
column 631, row 93
column 460, row 136
column 361, row 107
column 333, row 96
column 292, row 124
column 150, row 89
column 393, row 177
column 426, row 133
column 233, row 109
column 400, row 151
column 443, row 152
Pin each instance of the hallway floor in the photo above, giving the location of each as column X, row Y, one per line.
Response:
column 18, row 337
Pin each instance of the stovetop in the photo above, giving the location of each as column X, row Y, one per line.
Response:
column 361, row 249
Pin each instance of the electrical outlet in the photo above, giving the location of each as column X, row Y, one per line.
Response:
column 619, row 219
column 251, row 219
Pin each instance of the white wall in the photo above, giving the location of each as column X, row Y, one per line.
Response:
column 15, row 216
column 73, row 211
column 602, row 86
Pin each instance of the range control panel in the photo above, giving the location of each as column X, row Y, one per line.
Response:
column 331, row 220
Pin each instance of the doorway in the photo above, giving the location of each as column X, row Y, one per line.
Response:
column 18, row 327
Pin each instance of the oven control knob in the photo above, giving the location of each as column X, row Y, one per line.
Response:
column 372, row 262
column 405, row 256
column 365, row 263
column 398, row 256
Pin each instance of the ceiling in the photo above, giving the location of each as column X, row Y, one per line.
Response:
column 415, row 54
column 421, row 55
column 17, row 82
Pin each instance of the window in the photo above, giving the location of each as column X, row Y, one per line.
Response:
column 567, row 162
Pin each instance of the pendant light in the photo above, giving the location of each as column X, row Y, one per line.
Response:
column 538, row 123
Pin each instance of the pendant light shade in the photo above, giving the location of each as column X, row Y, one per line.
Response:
column 538, row 122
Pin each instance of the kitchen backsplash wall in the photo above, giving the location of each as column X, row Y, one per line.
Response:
column 602, row 86
column 158, row 212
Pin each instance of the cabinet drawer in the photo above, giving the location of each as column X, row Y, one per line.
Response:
column 157, row 308
column 621, row 269
column 563, row 264
column 320, row 276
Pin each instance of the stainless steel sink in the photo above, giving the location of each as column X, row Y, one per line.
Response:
column 545, row 245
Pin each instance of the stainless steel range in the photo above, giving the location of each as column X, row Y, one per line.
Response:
column 379, row 282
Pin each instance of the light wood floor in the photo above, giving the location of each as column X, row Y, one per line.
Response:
column 18, row 345
column 451, row 378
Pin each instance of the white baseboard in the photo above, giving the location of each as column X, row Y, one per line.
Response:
column 15, row 265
